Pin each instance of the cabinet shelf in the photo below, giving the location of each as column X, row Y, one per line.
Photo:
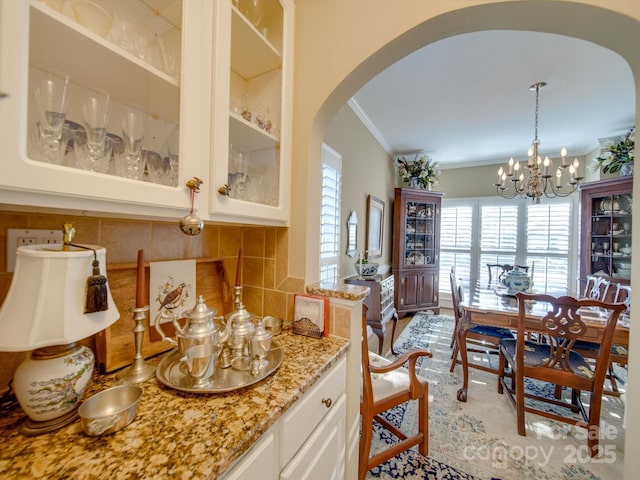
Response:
column 56, row 40
column 251, row 53
column 248, row 136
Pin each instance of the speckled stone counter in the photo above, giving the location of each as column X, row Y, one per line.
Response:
column 175, row 435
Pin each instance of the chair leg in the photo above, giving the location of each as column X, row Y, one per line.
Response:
column 365, row 446
column 423, row 422
column 394, row 319
column 594, row 423
column 454, row 357
column 557, row 391
column 501, row 365
column 519, row 386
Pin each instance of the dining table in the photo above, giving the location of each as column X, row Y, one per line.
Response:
column 493, row 305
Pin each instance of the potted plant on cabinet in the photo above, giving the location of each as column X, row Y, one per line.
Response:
column 419, row 173
column 618, row 156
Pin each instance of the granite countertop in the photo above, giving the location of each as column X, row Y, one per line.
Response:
column 175, row 434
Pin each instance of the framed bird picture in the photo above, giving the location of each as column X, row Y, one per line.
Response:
column 115, row 345
column 171, row 291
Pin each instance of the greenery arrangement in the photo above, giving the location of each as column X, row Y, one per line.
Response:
column 421, row 168
column 617, row 154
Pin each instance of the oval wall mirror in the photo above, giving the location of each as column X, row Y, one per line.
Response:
column 352, row 234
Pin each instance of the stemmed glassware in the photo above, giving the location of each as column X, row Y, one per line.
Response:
column 92, row 144
column 51, row 96
column 133, row 136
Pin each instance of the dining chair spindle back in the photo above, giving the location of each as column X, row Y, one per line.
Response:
column 556, row 361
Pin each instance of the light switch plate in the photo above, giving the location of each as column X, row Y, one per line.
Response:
column 17, row 237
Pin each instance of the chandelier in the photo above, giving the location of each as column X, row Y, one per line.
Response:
column 538, row 181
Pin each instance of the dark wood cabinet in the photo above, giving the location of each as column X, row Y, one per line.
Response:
column 605, row 227
column 416, row 249
column 381, row 313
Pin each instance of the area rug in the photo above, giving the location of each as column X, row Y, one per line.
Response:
column 478, row 439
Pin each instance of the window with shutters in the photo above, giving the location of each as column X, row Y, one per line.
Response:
column 475, row 232
column 456, row 241
column 330, row 215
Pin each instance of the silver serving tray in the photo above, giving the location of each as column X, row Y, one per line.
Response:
column 173, row 373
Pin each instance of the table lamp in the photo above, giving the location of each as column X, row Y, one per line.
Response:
column 44, row 311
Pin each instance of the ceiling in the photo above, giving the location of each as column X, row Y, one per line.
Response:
column 465, row 100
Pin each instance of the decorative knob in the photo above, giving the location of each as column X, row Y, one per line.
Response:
column 327, row 402
column 224, row 190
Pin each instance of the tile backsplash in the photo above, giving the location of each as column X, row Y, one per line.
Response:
column 267, row 288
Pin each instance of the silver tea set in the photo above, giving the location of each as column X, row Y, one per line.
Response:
column 204, row 346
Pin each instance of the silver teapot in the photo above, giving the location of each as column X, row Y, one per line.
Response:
column 199, row 340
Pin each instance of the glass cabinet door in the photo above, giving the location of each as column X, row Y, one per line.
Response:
column 104, row 87
column 611, row 222
column 420, row 246
column 255, row 101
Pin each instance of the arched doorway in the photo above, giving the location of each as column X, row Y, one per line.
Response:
column 409, row 26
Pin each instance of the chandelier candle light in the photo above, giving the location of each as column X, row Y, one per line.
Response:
column 538, row 182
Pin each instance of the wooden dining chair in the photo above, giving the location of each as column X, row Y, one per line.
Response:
column 555, row 361
column 386, row 384
column 483, row 339
column 497, row 271
column 599, row 288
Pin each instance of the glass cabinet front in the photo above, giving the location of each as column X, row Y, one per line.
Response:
column 255, row 101
column 611, row 222
column 420, row 246
column 104, row 87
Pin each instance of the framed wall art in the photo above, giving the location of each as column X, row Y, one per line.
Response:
column 375, row 225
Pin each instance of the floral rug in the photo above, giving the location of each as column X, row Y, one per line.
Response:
column 478, row 439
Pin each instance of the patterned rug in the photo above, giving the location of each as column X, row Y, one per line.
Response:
column 478, row 439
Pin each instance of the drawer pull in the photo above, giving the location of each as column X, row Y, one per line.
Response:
column 327, row 402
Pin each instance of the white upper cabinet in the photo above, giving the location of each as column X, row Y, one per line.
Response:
column 252, row 110
column 154, row 64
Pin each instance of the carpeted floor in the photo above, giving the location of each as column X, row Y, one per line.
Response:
column 478, row 439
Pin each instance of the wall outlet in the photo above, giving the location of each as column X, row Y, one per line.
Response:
column 17, row 237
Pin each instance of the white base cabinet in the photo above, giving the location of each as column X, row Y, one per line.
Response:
column 308, row 441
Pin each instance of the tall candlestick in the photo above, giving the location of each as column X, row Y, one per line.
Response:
column 239, row 269
column 138, row 371
column 140, row 284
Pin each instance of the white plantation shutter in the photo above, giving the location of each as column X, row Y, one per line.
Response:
column 499, row 228
column 479, row 231
column 456, row 241
column 498, row 236
column 330, row 215
column 548, row 239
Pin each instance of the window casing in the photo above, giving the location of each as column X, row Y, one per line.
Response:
column 330, row 215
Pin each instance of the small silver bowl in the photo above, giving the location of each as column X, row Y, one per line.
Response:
column 109, row 410
column 273, row 324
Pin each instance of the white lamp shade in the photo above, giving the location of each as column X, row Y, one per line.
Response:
column 46, row 301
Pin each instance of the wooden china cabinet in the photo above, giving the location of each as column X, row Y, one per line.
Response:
column 605, row 226
column 416, row 249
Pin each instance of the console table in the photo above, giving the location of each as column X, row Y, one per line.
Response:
column 381, row 309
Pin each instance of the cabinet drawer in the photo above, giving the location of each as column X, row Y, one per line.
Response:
column 305, row 415
column 258, row 462
column 323, row 455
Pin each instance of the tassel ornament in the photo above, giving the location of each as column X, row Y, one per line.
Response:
column 96, row 290
column 96, row 300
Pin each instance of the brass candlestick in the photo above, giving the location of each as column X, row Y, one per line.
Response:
column 138, row 371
